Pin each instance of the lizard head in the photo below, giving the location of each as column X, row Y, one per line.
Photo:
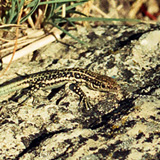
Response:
column 105, row 84
column 108, row 84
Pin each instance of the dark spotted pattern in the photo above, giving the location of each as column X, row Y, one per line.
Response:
column 57, row 78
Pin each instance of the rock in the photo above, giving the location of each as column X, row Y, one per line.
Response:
column 124, row 127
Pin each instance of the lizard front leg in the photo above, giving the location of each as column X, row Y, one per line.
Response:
column 83, row 98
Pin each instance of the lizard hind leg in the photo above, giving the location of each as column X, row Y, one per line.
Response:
column 20, row 96
column 25, row 94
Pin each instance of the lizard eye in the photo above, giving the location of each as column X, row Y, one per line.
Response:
column 103, row 86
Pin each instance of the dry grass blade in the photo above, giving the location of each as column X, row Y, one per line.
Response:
column 135, row 8
column 15, row 46
column 34, row 44
column 11, row 25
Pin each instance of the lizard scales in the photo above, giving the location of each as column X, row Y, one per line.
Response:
column 57, row 78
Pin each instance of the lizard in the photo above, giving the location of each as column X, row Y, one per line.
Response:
column 52, row 79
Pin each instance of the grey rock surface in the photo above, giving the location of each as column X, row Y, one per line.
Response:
column 119, row 126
